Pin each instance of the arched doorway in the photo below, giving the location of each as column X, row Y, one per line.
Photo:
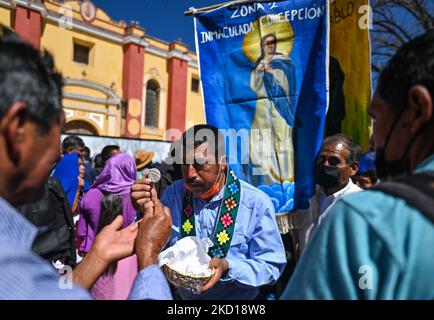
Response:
column 80, row 127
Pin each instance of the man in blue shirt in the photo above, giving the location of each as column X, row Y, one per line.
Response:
column 211, row 202
column 31, row 119
column 373, row 245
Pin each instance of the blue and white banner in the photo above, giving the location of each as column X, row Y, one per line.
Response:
column 264, row 74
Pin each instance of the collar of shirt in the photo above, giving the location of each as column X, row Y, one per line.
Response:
column 216, row 198
column 207, row 214
column 14, row 228
column 319, row 204
column 337, row 195
column 326, row 201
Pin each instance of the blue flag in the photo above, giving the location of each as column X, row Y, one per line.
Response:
column 264, row 74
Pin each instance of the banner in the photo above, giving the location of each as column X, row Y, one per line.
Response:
column 350, row 70
column 264, row 72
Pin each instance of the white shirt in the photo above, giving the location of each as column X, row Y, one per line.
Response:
column 303, row 222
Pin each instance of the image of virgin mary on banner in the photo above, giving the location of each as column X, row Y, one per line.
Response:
column 273, row 80
column 263, row 69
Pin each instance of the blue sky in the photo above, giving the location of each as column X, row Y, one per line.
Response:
column 163, row 19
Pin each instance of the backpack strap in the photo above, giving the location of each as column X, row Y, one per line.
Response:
column 417, row 190
column 56, row 187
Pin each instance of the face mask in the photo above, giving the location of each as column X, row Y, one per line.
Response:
column 327, row 176
column 391, row 168
column 215, row 188
column 387, row 169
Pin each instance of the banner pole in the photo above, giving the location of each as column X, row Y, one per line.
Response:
column 193, row 11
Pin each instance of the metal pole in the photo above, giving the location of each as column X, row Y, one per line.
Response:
column 193, row 11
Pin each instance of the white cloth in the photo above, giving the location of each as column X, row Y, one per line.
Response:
column 188, row 256
column 305, row 221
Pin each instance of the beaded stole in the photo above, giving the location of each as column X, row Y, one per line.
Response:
column 227, row 216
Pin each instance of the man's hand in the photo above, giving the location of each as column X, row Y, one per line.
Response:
column 154, row 232
column 220, row 266
column 113, row 244
column 141, row 194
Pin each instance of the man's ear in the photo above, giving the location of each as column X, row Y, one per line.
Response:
column 420, row 104
column 12, row 127
column 354, row 168
column 224, row 165
column 223, row 162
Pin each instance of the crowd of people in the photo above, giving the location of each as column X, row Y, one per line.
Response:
column 106, row 220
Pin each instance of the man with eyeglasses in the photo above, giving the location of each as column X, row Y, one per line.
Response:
column 337, row 162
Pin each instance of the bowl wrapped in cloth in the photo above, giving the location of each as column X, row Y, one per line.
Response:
column 185, row 264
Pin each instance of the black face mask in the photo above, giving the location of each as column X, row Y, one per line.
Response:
column 387, row 169
column 327, row 176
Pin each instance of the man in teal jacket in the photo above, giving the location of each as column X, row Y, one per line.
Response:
column 373, row 245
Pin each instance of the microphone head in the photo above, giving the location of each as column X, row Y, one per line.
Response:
column 154, row 175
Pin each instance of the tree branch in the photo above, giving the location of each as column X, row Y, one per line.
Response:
column 390, row 21
column 391, row 31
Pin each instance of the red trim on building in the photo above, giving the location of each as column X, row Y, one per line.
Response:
column 28, row 24
column 177, row 97
column 132, row 83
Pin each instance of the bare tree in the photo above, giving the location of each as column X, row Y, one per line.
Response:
column 395, row 23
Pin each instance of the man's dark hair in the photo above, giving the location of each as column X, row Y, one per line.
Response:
column 111, row 207
column 106, row 153
column 97, row 161
column 29, row 77
column 354, row 150
column 71, row 142
column 204, row 133
column 413, row 64
column 87, row 153
column 371, row 174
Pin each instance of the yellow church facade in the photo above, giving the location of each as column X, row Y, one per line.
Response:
column 119, row 81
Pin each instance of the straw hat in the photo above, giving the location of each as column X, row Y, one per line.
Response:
column 143, row 158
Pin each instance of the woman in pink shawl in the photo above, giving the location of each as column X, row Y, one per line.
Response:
column 108, row 197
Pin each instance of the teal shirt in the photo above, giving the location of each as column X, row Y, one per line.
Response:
column 370, row 246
